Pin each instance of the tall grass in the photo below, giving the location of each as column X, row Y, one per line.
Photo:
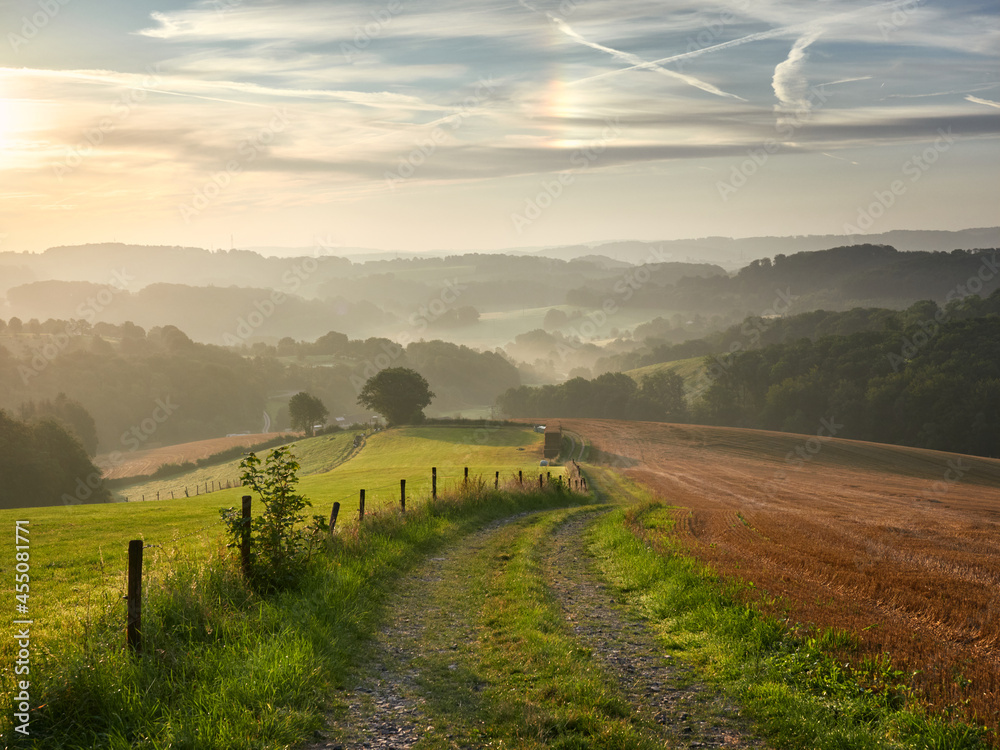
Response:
column 224, row 667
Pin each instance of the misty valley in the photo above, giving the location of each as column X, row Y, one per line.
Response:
column 133, row 348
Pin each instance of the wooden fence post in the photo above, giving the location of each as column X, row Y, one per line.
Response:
column 361, row 509
column 133, row 626
column 520, row 476
column 466, row 474
column 333, row 517
column 245, row 536
column 540, row 477
column 402, row 495
column 496, row 481
column 434, row 483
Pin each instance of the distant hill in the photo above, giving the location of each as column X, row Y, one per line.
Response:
column 736, row 253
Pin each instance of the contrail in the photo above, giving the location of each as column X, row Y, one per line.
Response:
column 636, row 62
column 797, row 29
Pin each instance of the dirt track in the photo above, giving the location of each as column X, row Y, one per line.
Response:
column 870, row 538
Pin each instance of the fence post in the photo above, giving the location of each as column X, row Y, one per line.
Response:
column 434, row 483
column 133, row 626
column 540, row 477
column 466, row 474
column 245, row 536
column 402, row 495
column 361, row 509
column 496, row 481
column 520, row 476
column 333, row 517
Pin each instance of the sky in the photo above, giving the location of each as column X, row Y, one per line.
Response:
column 412, row 125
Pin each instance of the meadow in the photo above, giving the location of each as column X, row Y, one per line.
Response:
column 203, row 626
column 79, row 552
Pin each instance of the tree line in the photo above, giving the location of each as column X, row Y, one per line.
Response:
column 140, row 388
column 658, row 396
column 927, row 376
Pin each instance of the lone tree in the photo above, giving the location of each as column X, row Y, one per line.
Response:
column 398, row 394
column 306, row 412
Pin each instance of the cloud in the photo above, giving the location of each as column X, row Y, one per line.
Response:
column 987, row 102
column 202, row 89
column 789, row 82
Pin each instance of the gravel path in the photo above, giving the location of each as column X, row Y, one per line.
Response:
column 427, row 626
column 689, row 713
column 385, row 711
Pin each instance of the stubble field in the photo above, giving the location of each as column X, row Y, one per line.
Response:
column 898, row 546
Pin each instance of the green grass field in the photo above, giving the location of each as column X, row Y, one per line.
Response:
column 79, row 553
column 316, row 455
column 690, row 369
column 228, row 668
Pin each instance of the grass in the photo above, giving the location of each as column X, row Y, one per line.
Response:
column 790, row 682
column 79, row 552
column 197, row 604
column 316, row 455
column 690, row 369
column 223, row 667
column 544, row 689
column 513, row 674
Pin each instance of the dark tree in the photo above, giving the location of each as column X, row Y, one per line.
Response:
column 306, row 412
column 69, row 413
column 398, row 394
column 665, row 391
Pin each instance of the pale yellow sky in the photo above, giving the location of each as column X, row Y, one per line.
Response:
column 424, row 125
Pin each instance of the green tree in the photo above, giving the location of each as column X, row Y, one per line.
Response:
column 665, row 391
column 69, row 413
column 398, row 394
column 306, row 412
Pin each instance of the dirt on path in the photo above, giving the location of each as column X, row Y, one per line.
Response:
column 689, row 713
column 431, row 630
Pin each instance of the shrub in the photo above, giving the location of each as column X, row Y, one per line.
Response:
column 280, row 546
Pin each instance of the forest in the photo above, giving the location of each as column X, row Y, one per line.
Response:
column 125, row 377
column 927, row 376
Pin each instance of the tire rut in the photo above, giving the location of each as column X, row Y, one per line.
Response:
column 689, row 713
column 385, row 710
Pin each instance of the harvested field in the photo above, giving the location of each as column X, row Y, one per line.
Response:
column 138, row 463
column 899, row 546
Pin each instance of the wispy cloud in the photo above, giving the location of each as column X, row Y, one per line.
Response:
column 987, row 102
column 789, row 82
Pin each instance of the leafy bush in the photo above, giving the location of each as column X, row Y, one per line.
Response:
column 280, row 546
